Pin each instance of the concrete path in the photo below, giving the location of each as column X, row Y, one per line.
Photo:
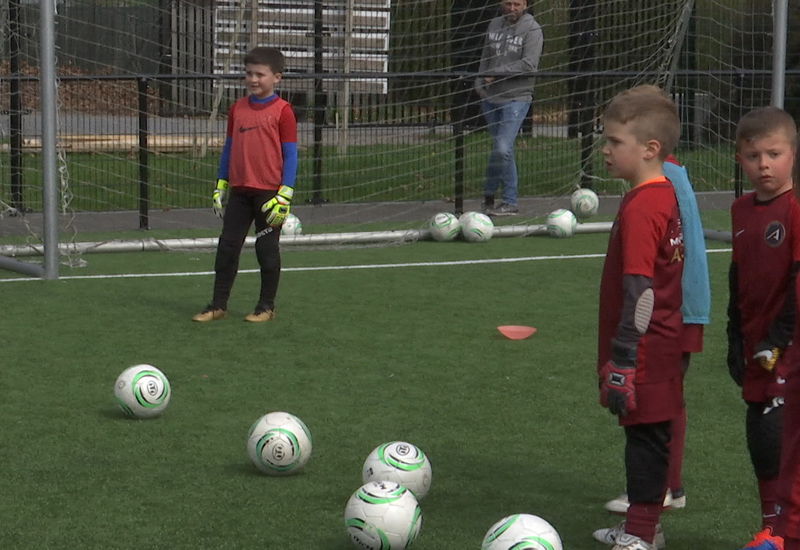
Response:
column 530, row 208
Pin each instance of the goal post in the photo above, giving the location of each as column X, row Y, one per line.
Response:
column 780, row 33
column 47, row 70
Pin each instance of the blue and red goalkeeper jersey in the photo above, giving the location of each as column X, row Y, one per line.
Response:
column 258, row 134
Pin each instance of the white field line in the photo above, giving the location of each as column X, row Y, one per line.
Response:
column 338, row 267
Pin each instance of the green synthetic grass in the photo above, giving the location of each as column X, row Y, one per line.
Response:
column 363, row 356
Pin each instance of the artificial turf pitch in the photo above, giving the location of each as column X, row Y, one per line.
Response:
column 364, row 356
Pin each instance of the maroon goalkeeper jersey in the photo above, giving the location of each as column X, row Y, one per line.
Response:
column 257, row 131
column 646, row 240
column 766, row 241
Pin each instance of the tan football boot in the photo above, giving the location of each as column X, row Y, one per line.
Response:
column 209, row 314
column 259, row 316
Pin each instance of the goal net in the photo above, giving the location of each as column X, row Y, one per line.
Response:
column 389, row 128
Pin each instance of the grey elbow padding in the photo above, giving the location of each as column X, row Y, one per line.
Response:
column 643, row 311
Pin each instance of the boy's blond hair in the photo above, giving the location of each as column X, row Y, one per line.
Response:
column 763, row 122
column 651, row 113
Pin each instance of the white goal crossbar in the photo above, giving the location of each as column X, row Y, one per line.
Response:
column 7, row 252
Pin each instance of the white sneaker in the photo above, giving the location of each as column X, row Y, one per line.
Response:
column 629, row 542
column 616, row 534
column 675, row 502
column 621, row 504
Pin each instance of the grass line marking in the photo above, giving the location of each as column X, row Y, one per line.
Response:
column 339, row 267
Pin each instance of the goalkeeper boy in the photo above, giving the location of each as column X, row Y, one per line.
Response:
column 640, row 322
column 255, row 182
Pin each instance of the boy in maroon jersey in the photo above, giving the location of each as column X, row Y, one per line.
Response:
column 255, row 182
column 696, row 311
column 761, row 310
column 640, row 321
column 789, row 487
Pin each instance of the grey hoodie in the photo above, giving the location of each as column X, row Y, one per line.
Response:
column 511, row 53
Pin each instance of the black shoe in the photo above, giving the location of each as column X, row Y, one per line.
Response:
column 504, row 209
column 488, row 204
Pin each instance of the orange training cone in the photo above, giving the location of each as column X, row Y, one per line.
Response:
column 516, row 332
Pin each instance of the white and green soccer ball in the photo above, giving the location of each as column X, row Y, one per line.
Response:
column 444, row 227
column 279, row 444
column 476, row 227
column 292, row 226
column 522, row 532
column 561, row 223
column 142, row 391
column 584, row 203
column 382, row 515
column 401, row 462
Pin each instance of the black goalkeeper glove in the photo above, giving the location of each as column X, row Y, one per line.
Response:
column 617, row 381
column 736, row 361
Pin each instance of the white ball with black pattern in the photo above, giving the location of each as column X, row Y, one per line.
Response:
column 142, row 391
column 401, row 462
column 523, row 532
column 584, row 203
column 382, row 515
column 444, row 227
column 292, row 226
column 561, row 223
column 476, row 227
column 279, row 444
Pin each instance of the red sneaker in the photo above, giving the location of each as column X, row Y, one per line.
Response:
column 765, row 540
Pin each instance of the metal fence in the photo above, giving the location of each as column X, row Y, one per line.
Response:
column 143, row 90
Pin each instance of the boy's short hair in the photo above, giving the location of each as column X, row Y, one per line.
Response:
column 652, row 113
column 763, row 122
column 271, row 57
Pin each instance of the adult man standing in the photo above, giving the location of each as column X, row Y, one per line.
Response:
column 510, row 58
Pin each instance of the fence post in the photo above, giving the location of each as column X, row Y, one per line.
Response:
column 319, row 104
column 738, row 185
column 144, row 190
column 15, row 107
column 459, row 111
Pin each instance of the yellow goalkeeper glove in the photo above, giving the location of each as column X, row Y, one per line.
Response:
column 220, row 197
column 277, row 208
column 767, row 356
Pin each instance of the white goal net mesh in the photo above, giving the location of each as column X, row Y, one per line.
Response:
column 389, row 128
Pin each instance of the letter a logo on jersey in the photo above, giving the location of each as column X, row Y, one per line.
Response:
column 774, row 234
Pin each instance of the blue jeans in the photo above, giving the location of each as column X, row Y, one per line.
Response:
column 504, row 120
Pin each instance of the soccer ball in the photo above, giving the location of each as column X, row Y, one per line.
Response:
column 584, row 203
column 522, row 532
column 142, row 391
column 279, row 444
column 402, row 463
column 292, row 225
column 476, row 227
column 561, row 223
column 383, row 515
column 444, row 227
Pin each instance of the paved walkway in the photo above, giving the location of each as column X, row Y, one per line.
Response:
column 530, row 208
